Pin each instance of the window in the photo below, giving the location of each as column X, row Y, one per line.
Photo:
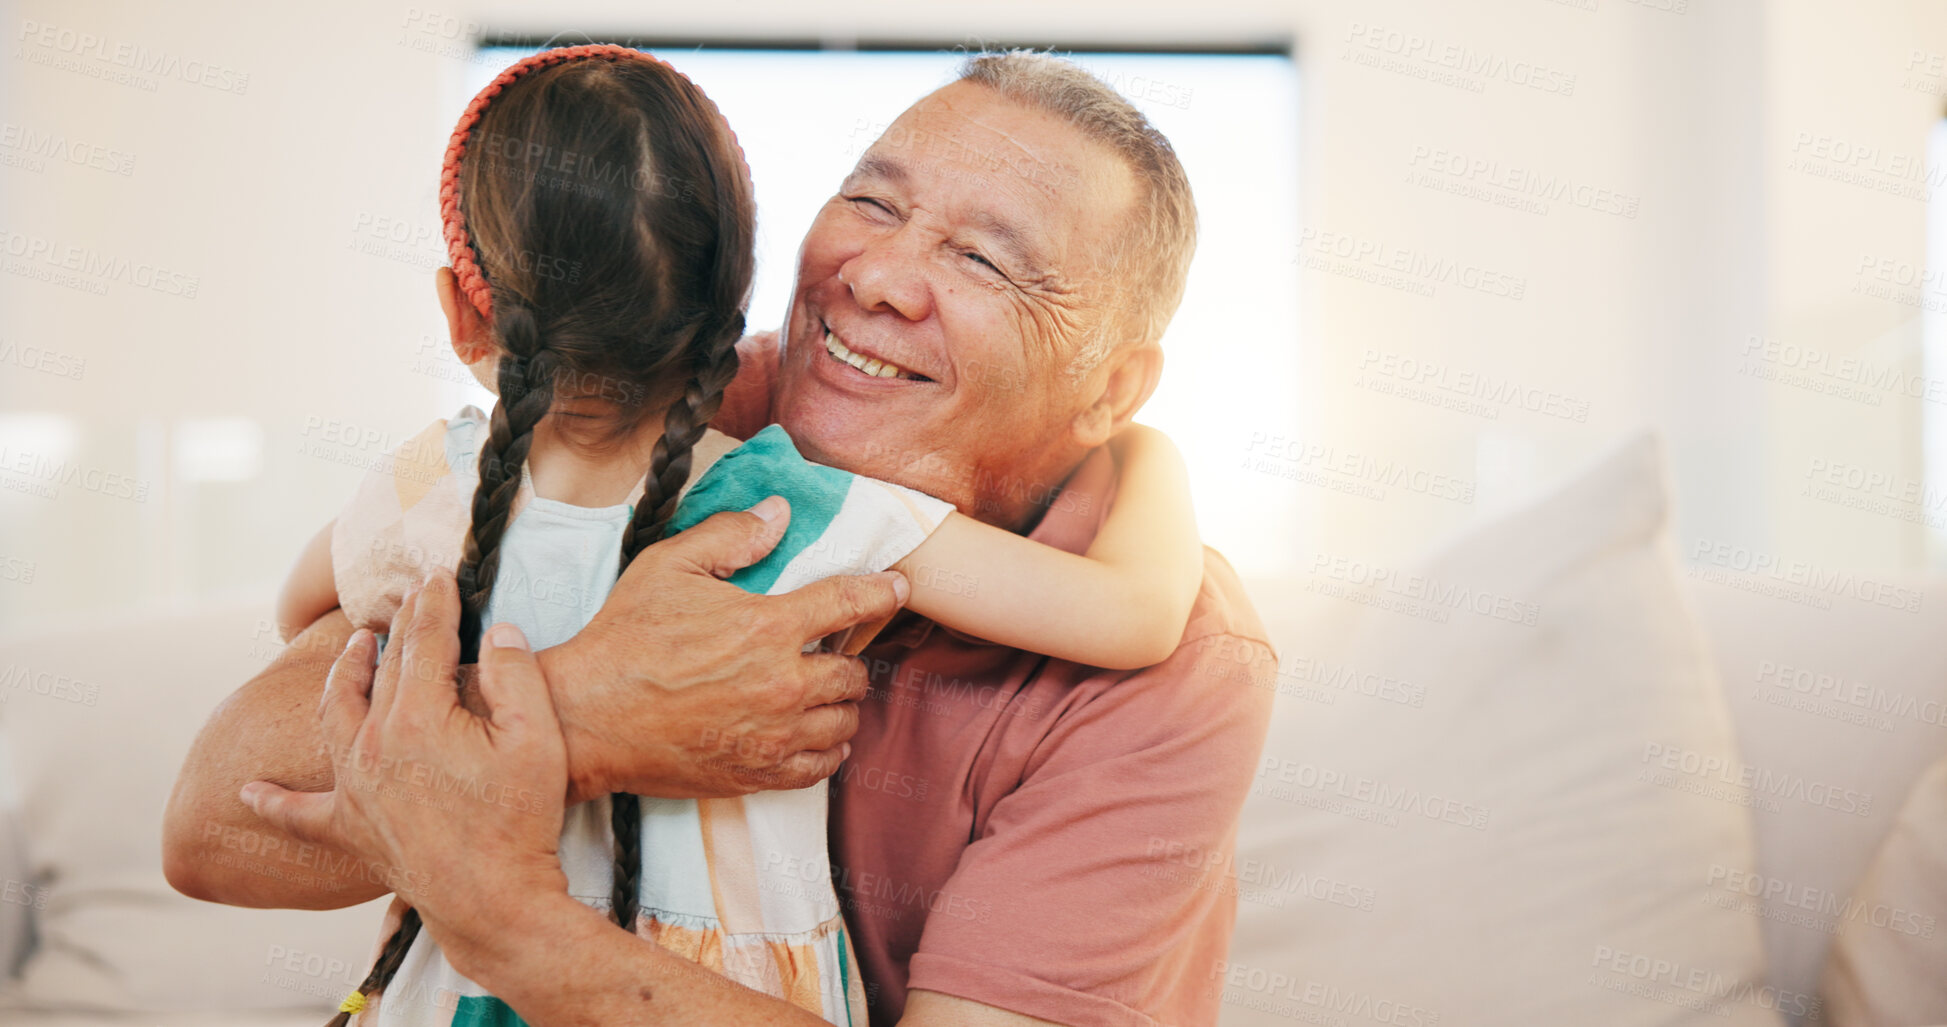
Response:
column 804, row 116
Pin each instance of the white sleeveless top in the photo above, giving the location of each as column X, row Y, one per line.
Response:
column 742, row 886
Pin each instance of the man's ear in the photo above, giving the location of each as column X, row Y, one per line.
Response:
column 471, row 338
column 1126, row 379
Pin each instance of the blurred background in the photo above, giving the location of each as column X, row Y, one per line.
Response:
column 1450, row 254
column 1454, row 246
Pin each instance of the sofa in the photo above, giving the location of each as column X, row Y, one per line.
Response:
column 1565, row 769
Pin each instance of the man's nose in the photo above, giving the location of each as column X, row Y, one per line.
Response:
column 889, row 274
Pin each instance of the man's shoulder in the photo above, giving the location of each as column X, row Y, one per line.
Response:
column 1222, row 607
column 747, row 400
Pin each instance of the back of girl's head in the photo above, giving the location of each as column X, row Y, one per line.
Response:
column 608, row 208
column 601, row 216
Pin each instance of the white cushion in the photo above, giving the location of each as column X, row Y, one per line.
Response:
column 1846, row 694
column 1490, row 806
column 1889, row 966
column 98, row 722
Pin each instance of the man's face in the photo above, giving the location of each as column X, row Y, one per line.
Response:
column 962, row 262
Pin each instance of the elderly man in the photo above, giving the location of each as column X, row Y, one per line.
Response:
column 1017, row 839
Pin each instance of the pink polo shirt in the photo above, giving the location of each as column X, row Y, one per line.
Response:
column 1039, row 835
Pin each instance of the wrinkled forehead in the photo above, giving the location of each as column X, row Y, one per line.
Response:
column 970, row 131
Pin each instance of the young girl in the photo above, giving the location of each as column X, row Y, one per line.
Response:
column 599, row 220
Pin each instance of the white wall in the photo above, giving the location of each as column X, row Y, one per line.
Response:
column 1698, row 119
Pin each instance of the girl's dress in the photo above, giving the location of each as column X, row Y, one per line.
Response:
column 742, row 886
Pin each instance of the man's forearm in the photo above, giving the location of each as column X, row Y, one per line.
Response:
column 214, row 847
column 581, row 727
column 570, row 965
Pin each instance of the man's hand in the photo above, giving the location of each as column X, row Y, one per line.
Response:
column 688, row 687
column 453, row 805
column 683, row 686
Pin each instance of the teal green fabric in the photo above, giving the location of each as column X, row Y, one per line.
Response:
column 768, row 465
column 485, row 1011
column 845, row 972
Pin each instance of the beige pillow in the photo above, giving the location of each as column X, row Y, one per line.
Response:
column 1889, row 964
column 1485, row 799
column 98, row 722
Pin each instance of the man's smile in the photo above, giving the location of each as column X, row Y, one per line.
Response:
column 870, row 366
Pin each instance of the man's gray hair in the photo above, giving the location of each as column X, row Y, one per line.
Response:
column 1151, row 261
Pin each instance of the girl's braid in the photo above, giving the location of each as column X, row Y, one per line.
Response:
column 387, row 964
column 526, row 378
column 669, row 468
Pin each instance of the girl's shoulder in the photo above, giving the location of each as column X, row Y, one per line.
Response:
column 841, row 522
column 408, row 515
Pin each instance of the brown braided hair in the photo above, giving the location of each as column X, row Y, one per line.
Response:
column 611, row 215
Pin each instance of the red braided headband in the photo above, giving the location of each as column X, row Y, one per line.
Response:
column 459, row 247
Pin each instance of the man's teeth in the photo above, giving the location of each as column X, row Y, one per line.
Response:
column 875, row 368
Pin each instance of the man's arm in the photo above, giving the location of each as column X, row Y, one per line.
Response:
column 682, row 686
column 471, row 867
column 267, row 729
column 620, row 978
column 617, row 977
